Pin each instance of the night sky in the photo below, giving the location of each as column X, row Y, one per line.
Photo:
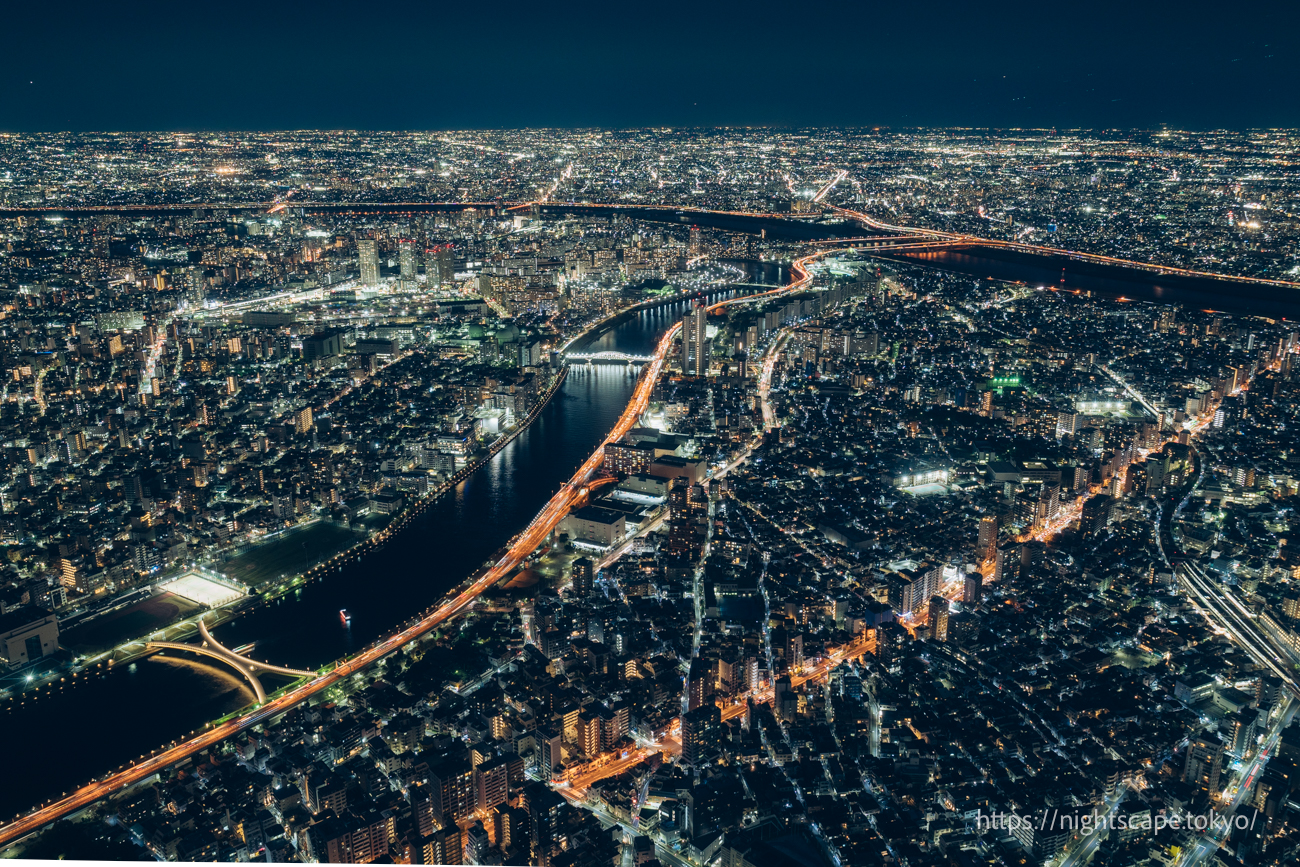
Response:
column 356, row 65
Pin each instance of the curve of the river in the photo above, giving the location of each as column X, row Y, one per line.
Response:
column 85, row 726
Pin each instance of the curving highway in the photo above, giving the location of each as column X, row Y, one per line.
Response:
column 523, row 545
column 575, row 490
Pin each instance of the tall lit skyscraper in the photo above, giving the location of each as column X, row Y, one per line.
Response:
column 195, row 291
column 438, row 267
column 582, row 577
column 1067, row 424
column 696, row 248
column 939, row 618
column 987, row 544
column 696, row 683
column 368, row 256
column 406, row 259
column 695, row 342
column 699, row 731
column 973, row 587
column 785, row 702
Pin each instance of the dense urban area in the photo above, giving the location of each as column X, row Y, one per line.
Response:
column 886, row 562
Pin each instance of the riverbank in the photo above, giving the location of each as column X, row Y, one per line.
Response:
column 519, row 548
column 618, row 317
column 411, row 574
column 404, row 517
column 128, row 649
column 1066, row 272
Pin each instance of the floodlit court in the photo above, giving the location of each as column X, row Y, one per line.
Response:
column 930, row 490
column 203, row 590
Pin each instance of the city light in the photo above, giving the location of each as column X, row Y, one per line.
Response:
column 661, row 493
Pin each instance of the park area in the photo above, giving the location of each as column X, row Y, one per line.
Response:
column 289, row 554
column 135, row 620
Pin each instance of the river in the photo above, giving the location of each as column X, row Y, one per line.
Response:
column 61, row 737
column 1063, row 273
column 64, row 735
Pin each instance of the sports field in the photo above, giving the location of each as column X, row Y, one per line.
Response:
column 204, row 591
column 290, row 554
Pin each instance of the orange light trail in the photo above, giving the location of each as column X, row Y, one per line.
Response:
column 525, row 543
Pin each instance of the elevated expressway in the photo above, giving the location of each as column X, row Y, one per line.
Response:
column 1266, row 642
column 1222, row 608
column 576, row 490
column 934, row 239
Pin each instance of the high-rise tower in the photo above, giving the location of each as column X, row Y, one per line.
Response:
column 695, row 342
column 406, row 259
column 368, row 256
column 438, row 266
column 939, row 618
column 987, row 544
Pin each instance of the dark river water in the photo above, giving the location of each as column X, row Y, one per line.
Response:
column 59, row 738
column 1060, row 272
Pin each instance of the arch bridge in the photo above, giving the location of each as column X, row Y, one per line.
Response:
column 249, row 668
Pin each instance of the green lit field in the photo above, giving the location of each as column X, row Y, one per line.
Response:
column 294, row 552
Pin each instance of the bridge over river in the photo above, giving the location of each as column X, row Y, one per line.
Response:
column 249, row 668
column 607, row 355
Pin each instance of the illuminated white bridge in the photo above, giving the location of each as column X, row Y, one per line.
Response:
column 607, row 355
column 245, row 666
